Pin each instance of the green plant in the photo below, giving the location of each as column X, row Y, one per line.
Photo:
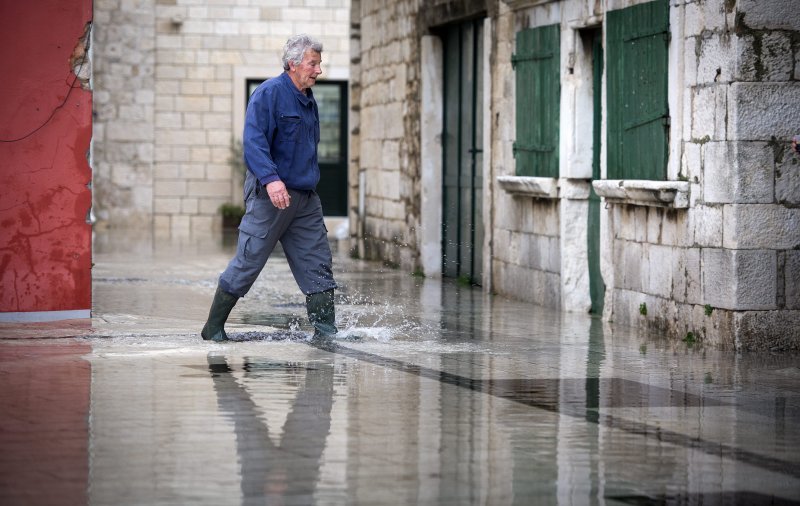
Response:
column 418, row 273
column 464, row 280
column 690, row 338
column 708, row 309
column 643, row 309
column 231, row 215
column 643, row 349
column 231, row 211
column 708, row 379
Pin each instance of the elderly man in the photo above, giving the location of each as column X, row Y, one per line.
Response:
column 281, row 134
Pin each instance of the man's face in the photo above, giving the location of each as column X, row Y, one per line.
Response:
column 304, row 75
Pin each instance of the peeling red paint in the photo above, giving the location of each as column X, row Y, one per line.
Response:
column 45, row 242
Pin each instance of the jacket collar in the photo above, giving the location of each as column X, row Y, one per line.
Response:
column 304, row 99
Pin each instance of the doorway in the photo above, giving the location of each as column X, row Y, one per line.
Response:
column 462, row 137
column 597, row 287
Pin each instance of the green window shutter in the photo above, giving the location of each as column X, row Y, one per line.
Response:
column 538, row 81
column 638, row 117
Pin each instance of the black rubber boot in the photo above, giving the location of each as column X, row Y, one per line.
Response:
column 214, row 329
column 322, row 315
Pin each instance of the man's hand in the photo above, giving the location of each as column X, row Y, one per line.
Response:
column 278, row 194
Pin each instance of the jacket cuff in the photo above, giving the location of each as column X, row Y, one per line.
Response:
column 268, row 179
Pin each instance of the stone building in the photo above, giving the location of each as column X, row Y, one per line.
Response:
column 171, row 81
column 626, row 157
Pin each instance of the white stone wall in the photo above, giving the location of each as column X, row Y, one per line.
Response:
column 170, row 75
column 722, row 264
column 725, row 268
column 123, row 140
column 539, row 248
column 739, row 115
column 732, row 252
column 388, row 139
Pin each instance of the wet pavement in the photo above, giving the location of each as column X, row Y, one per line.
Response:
column 445, row 395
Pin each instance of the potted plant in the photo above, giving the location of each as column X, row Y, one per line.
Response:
column 231, row 215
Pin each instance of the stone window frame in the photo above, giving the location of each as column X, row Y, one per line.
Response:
column 669, row 193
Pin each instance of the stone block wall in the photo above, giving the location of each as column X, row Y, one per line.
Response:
column 170, row 78
column 386, row 145
column 527, row 255
column 722, row 264
column 732, row 252
column 123, row 140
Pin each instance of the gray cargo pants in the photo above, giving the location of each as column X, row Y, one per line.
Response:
column 300, row 230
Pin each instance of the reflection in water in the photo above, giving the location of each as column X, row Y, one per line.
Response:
column 44, row 428
column 277, row 473
column 549, row 394
column 594, row 362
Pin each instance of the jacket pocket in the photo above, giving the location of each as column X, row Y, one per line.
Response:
column 289, row 127
column 258, row 217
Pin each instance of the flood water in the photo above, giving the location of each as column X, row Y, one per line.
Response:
column 442, row 394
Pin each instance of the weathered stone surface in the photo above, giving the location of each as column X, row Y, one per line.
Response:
column 716, row 61
column 791, row 279
column 761, row 111
column 710, row 112
column 718, row 171
column 535, row 286
column 707, row 222
column 787, row 179
column 768, row 330
column 769, row 14
column 761, row 226
column 739, row 279
column 753, row 180
column 686, row 276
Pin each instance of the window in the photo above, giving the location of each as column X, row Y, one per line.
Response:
column 638, row 117
column 538, row 82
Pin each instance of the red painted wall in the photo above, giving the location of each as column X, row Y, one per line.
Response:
column 45, row 130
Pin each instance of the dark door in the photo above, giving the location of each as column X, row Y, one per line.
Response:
column 462, row 229
column 331, row 97
column 597, row 287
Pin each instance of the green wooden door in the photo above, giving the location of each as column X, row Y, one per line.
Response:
column 638, row 116
column 462, row 228
column 597, row 287
column 538, row 93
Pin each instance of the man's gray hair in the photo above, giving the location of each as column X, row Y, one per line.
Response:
column 296, row 47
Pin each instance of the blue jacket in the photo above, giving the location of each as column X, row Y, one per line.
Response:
column 281, row 133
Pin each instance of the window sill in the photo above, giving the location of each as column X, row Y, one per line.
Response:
column 520, row 4
column 527, row 186
column 674, row 194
